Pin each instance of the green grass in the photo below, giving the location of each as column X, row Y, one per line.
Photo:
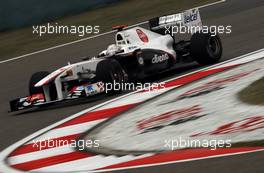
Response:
column 22, row 41
column 253, row 94
column 258, row 143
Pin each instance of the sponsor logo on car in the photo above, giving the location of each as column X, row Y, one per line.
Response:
column 158, row 59
column 132, row 47
column 170, row 18
column 94, row 89
column 143, row 37
column 192, row 16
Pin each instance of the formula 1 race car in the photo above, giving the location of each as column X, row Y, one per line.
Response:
column 137, row 53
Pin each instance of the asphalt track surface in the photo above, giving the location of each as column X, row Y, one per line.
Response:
column 246, row 18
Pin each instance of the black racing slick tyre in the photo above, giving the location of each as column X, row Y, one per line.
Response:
column 205, row 48
column 111, row 73
column 35, row 78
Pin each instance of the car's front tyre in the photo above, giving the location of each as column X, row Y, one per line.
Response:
column 111, row 73
column 35, row 78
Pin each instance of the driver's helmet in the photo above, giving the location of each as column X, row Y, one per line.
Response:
column 112, row 49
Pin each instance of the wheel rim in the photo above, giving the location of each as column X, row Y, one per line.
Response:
column 214, row 46
column 117, row 76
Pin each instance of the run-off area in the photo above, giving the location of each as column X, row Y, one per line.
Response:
column 209, row 111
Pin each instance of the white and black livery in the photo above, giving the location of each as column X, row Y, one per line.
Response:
column 137, row 53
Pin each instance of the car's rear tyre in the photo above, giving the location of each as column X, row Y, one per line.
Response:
column 205, row 48
column 110, row 72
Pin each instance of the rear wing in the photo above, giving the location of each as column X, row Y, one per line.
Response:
column 187, row 18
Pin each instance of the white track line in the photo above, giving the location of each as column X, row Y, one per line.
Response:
column 210, row 4
column 89, row 38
